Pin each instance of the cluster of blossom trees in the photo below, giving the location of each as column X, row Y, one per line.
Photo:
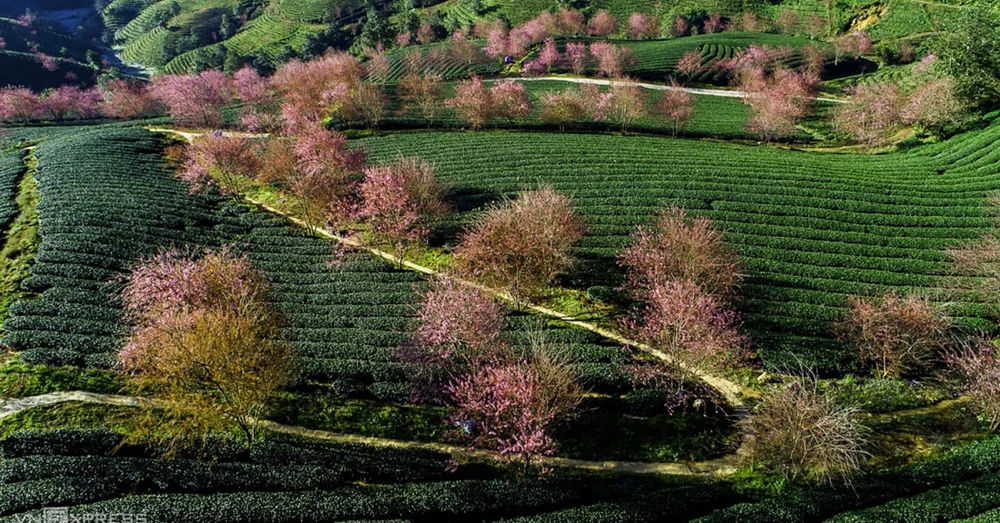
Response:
column 507, row 396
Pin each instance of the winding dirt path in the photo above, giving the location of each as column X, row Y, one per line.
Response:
column 722, row 93
column 716, row 467
column 731, row 391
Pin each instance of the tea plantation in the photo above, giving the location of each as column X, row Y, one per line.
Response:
column 812, row 228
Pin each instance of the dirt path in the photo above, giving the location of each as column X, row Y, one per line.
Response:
column 717, row 467
column 723, row 93
column 729, row 390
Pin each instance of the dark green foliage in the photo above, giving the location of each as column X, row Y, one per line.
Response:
column 967, row 51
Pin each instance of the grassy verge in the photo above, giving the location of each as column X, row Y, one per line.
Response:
column 21, row 242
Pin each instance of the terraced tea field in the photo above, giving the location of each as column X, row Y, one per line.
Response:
column 812, row 228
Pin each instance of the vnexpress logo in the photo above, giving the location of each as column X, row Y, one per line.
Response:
column 62, row 515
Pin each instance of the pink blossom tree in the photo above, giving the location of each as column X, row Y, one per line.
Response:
column 129, row 99
column 462, row 49
column 976, row 365
column 854, row 44
column 777, row 102
column 509, row 100
column 752, row 23
column 323, row 182
column 570, row 22
column 260, row 102
column 194, row 100
column 425, row 34
column 612, row 61
column 642, row 26
column 378, row 66
column 675, row 106
column 459, row 331
column 934, row 105
column 691, row 325
column 602, row 25
column 872, row 113
column 49, row 63
column 623, row 104
column 399, row 202
column 680, row 248
column 714, row 24
column 72, row 101
column 689, row 64
column 302, row 84
column 577, row 55
column 512, row 408
column 521, row 244
column 680, row 27
column 18, row 104
column 895, row 335
column 496, row 44
column 472, row 102
column 225, row 161
column 549, row 56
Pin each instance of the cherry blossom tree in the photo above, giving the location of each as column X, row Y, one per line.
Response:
column 378, row 66
column 549, row 56
column 425, row 34
column 714, row 24
column 127, row 99
column 512, row 408
column 642, row 26
column 680, row 27
column 509, row 100
column 602, row 25
column 303, row 84
column 854, row 44
column 894, row 335
column 521, row 244
column 813, row 60
column 205, row 340
column 225, row 161
column 324, row 181
column 872, row 113
column 260, row 102
column 194, row 100
column 421, row 92
column 570, row 22
column 612, row 61
column 577, row 55
column 934, row 105
column 689, row 64
column 496, row 44
column 19, row 104
column 72, row 101
column 976, row 364
column 675, row 106
column 472, row 102
column 459, row 331
column 399, row 202
column 462, row 49
column 690, row 324
column 777, row 102
column 623, row 104
column 679, row 247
